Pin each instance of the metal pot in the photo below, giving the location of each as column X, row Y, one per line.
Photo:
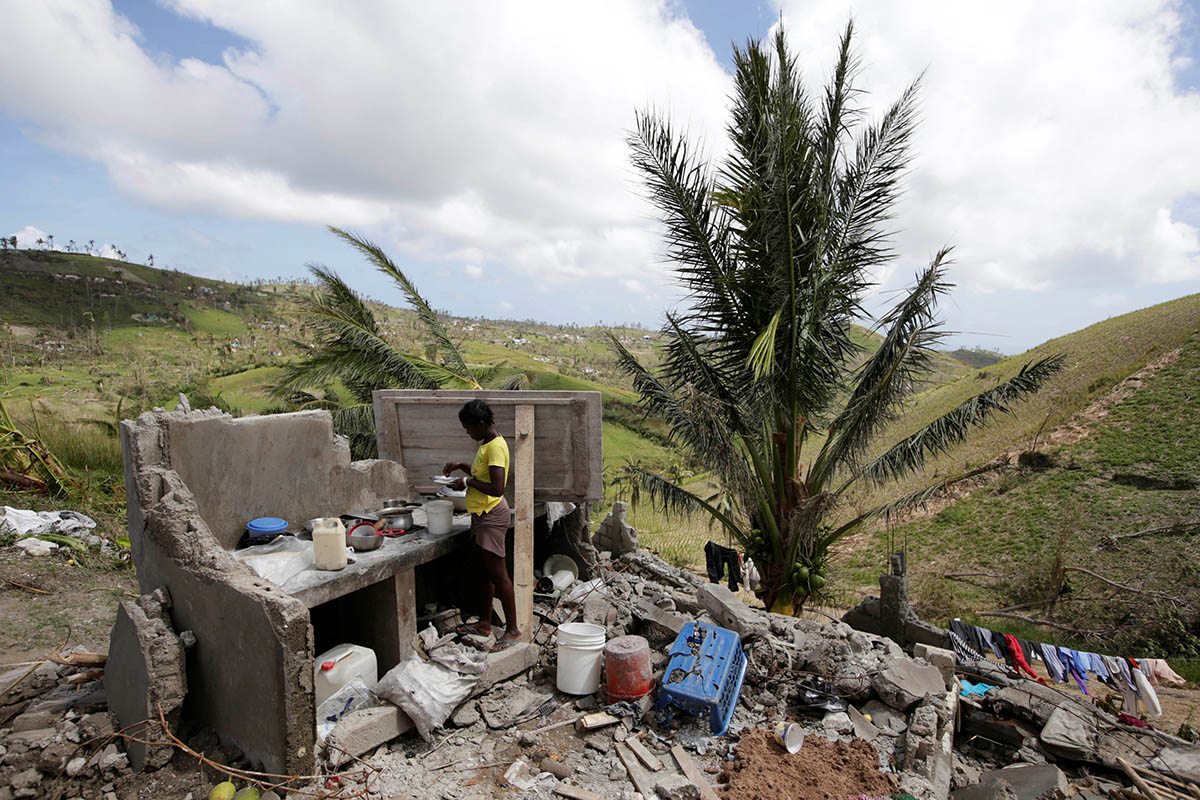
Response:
column 363, row 536
column 398, row 517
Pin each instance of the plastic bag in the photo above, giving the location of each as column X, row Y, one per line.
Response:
column 429, row 691
column 278, row 561
column 351, row 697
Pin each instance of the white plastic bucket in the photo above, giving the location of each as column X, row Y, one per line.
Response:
column 562, row 579
column 580, row 656
column 439, row 516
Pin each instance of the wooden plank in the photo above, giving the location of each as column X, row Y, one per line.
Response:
column 523, row 527
column 575, row 792
column 693, row 773
column 641, row 781
column 600, row 719
column 645, row 756
column 1138, row 781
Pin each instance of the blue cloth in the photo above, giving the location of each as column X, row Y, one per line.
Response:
column 1099, row 667
column 980, row 689
column 1070, row 659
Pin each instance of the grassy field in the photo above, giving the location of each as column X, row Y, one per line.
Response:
column 1137, row 469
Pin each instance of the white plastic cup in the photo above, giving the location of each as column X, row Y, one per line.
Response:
column 790, row 736
column 439, row 516
column 580, row 656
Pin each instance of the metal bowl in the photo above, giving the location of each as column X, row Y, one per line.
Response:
column 396, row 518
column 369, row 539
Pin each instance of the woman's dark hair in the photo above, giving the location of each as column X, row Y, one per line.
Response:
column 476, row 411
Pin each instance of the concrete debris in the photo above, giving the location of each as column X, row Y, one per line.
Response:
column 730, row 612
column 1029, row 782
column 614, row 534
column 146, row 675
column 905, row 683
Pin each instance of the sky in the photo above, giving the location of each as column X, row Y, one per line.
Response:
column 483, row 144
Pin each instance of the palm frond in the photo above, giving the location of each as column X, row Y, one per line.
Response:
column 433, row 325
column 888, row 376
column 672, row 499
column 951, row 428
column 912, row 500
column 518, row 381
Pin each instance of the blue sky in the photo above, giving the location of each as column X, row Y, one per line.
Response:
column 485, row 151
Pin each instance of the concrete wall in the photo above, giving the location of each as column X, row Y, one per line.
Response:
column 250, row 672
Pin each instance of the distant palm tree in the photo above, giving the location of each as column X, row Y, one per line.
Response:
column 50, row 240
column 70, row 245
column 776, row 249
column 41, row 242
column 352, row 349
column 91, row 247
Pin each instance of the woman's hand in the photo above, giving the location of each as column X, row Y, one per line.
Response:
column 453, row 465
column 458, row 484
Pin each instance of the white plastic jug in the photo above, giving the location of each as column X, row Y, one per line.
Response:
column 580, row 656
column 339, row 665
column 329, row 544
column 439, row 516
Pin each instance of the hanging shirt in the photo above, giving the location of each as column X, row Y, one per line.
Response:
column 963, row 642
column 1018, row 657
column 1054, row 664
column 1149, row 698
column 1070, row 662
column 1098, row 668
column 1157, row 670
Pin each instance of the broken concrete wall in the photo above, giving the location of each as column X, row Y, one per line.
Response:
column 250, row 672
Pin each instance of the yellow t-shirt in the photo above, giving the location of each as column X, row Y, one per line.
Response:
column 491, row 454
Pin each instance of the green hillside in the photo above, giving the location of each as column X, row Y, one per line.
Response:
column 1099, row 476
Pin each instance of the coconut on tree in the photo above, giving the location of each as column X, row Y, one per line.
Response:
column 760, row 376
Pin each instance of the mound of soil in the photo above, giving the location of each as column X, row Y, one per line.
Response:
column 822, row 770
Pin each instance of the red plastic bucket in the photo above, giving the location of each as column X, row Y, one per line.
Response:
column 627, row 669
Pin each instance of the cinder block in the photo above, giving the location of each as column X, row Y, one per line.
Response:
column 505, row 664
column 363, row 730
column 728, row 611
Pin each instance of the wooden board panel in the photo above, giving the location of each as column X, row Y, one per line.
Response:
column 420, row 429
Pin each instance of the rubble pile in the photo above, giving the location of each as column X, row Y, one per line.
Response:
column 877, row 721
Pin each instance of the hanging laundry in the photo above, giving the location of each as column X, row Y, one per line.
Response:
column 750, row 572
column 1070, row 663
column 1054, row 664
column 1158, row 671
column 1098, row 668
column 1018, row 656
column 958, row 639
column 1030, row 649
column 1146, row 691
column 716, row 559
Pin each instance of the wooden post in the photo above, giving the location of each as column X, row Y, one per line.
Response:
column 523, row 528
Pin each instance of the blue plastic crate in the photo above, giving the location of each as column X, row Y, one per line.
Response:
column 704, row 674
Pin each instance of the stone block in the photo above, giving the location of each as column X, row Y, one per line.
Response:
column 905, row 683
column 658, row 623
column 863, row 727
column 505, row 664
column 361, row 731
column 887, row 719
column 1029, row 781
column 614, row 534
column 937, row 656
column 728, row 611
column 33, row 720
column 990, row 790
column 676, row 787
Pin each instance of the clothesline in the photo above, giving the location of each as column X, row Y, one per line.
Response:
column 1134, row 678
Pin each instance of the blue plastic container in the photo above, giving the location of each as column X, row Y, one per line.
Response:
column 704, row 674
column 265, row 526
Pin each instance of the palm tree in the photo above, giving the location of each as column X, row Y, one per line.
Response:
column 40, row 242
column 776, row 248
column 352, row 349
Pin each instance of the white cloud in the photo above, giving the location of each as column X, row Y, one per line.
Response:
column 469, row 132
column 1053, row 143
column 28, row 236
column 474, row 271
column 633, row 286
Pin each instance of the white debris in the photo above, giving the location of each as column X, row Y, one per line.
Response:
column 36, row 547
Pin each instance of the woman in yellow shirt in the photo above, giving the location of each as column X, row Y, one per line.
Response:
column 490, row 517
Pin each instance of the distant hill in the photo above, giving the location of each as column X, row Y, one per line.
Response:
column 975, row 356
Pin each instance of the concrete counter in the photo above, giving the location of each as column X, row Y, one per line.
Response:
column 396, row 554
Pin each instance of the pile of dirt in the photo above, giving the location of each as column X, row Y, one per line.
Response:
column 822, row 770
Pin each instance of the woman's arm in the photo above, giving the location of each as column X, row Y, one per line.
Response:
column 453, row 465
column 493, row 489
